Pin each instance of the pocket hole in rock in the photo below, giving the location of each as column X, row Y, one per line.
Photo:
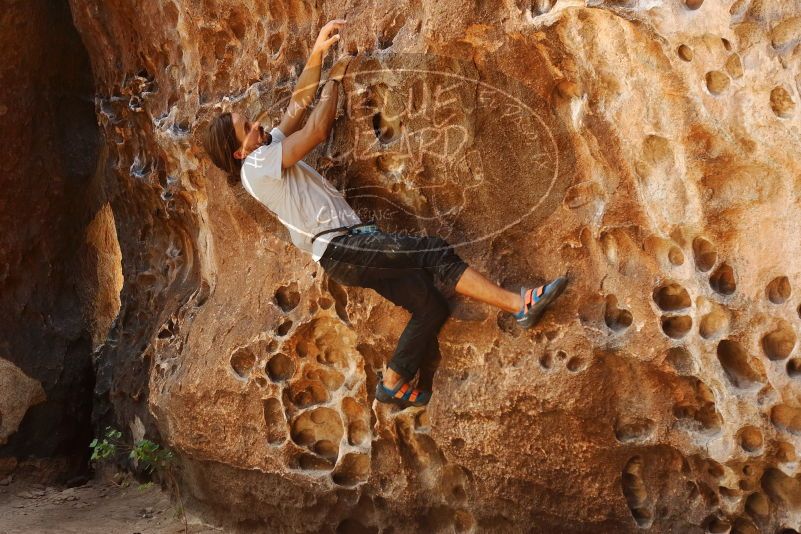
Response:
column 676, row 326
column 317, row 425
column 302, row 348
column 352, row 470
column 609, row 246
column 675, row 256
column 671, row 297
column 331, row 379
column 737, row 365
column 242, row 362
column 787, row 418
column 357, row 433
column 540, row 7
column 326, row 449
column 305, row 394
column 280, row 367
column 575, row 364
column 781, row 102
column 778, row 290
column 750, row 439
column 714, row 324
column 618, row 319
column 635, row 492
column 734, row 66
column 703, row 416
column 284, row 328
column 779, row 343
column 287, row 297
column 722, row 280
column 704, row 253
column 274, row 43
column 685, row 52
column 385, row 130
column 782, row 489
column 168, row 330
column 356, row 415
column 717, row 82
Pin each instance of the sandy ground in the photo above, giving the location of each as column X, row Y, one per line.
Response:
column 96, row 507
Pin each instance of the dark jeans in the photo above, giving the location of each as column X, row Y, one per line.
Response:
column 404, row 270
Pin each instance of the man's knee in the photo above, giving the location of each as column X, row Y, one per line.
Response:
column 438, row 309
column 426, row 302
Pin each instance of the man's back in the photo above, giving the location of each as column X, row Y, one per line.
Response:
column 304, row 201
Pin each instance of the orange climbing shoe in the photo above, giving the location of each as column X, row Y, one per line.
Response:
column 402, row 394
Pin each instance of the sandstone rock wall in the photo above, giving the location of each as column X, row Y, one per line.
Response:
column 646, row 147
column 50, row 142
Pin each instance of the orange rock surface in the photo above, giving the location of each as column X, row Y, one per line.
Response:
column 648, row 148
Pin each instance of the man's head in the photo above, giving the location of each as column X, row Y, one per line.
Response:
column 230, row 138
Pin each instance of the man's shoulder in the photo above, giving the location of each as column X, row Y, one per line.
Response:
column 266, row 158
column 260, row 152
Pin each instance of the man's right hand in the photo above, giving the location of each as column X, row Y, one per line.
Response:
column 325, row 40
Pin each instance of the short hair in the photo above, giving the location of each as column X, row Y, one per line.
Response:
column 220, row 143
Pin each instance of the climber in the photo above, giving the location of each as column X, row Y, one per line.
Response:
column 401, row 268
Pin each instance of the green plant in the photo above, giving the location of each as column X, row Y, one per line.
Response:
column 148, row 455
column 151, row 456
column 103, row 450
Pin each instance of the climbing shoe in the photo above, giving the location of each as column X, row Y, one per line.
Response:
column 403, row 394
column 537, row 299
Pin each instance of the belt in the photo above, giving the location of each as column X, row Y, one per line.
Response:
column 361, row 228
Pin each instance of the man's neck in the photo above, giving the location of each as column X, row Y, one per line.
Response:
column 265, row 143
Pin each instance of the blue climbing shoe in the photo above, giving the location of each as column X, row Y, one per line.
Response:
column 537, row 299
column 403, row 394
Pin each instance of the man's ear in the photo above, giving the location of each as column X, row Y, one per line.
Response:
column 238, row 154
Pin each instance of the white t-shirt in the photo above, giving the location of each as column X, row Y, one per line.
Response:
column 304, row 201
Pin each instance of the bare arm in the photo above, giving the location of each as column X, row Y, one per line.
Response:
column 302, row 96
column 322, row 117
column 316, row 129
column 309, row 80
